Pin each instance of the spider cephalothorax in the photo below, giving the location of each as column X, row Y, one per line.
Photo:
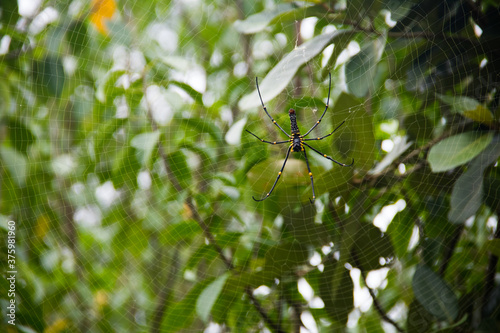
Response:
column 297, row 141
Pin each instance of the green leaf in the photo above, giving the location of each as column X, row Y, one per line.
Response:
column 77, row 36
column 205, row 252
column 105, row 132
column 333, row 180
column 197, row 96
column 355, row 140
column 418, row 127
column 480, row 114
column 284, row 258
column 492, row 192
column 358, row 9
column 467, row 193
column 49, row 74
column 457, row 150
column 106, row 89
column 434, row 294
column 297, row 14
column 468, row 107
column 16, row 163
column 340, row 302
column 146, row 144
column 9, row 12
column 258, row 22
column 204, row 126
column 180, row 232
column 262, row 176
column 400, row 231
column 19, row 134
column 418, row 319
column 493, row 245
column 181, row 314
column 207, row 298
column 180, row 168
column 5, row 95
column 398, row 8
column 361, row 69
column 279, row 77
column 125, row 167
column 370, row 245
column 431, row 249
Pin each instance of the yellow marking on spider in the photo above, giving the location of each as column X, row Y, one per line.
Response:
column 279, row 173
column 310, row 174
column 274, row 121
column 324, row 155
column 274, row 142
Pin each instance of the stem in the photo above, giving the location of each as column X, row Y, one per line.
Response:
column 270, row 323
column 208, row 234
column 376, row 302
column 206, row 230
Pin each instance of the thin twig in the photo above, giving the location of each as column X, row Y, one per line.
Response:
column 372, row 179
column 206, row 230
column 272, row 325
column 376, row 302
column 208, row 233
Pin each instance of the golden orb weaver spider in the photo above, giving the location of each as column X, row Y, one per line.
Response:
column 297, row 141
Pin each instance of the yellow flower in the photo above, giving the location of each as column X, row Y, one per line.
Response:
column 102, row 11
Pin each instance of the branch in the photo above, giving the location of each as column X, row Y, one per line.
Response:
column 248, row 290
column 206, row 230
column 372, row 179
column 272, row 325
column 208, row 234
column 376, row 303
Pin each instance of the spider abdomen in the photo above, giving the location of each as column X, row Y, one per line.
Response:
column 297, row 143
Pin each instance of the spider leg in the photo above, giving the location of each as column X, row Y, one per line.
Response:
column 265, row 109
column 310, row 175
column 328, row 157
column 279, row 175
column 326, row 107
column 273, row 143
column 327, row 134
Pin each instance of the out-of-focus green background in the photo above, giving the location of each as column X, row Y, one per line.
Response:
column 127, row 170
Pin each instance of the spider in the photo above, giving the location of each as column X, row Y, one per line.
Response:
column 297, row 141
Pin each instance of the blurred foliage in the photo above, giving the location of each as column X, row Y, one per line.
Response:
column 125, row 163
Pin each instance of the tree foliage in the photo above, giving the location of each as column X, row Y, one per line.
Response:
column 125, row 164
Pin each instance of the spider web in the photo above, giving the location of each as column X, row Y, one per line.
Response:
column 105, row 234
